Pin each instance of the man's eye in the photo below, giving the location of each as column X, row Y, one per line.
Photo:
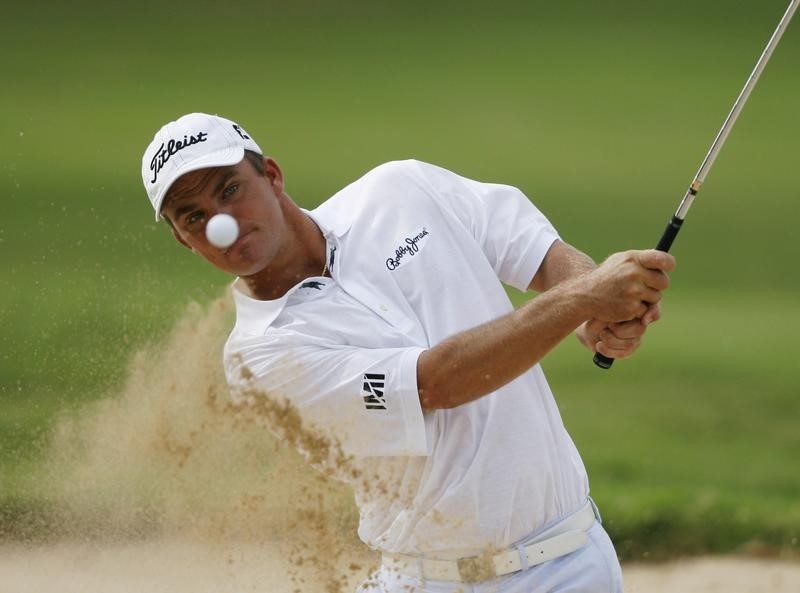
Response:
column 230, row 190
column 194, row 218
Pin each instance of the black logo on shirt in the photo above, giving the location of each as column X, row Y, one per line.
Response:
column 312, row 284
column 411, row 247
column 373, row 391
column 173, row 147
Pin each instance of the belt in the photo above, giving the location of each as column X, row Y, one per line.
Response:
column 562, row 538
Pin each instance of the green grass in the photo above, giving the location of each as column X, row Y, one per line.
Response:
column 692, row 444
column 600, row 112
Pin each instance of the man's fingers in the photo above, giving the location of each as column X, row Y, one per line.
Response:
column 613, row 340
column 617, row 349
column 656, row 260
column 649, row 297
column 656, row 279
column 634, row 328
column 652, row 315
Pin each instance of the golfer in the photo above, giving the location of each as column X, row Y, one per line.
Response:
column 381, row 318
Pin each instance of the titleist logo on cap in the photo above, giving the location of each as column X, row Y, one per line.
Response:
column 172, row 147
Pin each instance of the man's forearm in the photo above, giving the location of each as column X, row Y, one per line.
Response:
column 480, row 360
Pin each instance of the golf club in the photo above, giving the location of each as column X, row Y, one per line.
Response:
column 677, row 219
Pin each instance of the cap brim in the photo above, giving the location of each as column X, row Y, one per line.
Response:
column 221, row 158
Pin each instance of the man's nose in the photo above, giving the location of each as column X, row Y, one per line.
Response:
column 221, row 208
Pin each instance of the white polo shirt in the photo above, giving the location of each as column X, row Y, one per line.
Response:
column 417, row 254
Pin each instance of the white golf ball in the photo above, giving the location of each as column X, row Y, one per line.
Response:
column 222, row 230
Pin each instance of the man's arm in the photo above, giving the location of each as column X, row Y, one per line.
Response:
column 562, row 262
column 475, row 362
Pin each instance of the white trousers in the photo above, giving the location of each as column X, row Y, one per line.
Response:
column 594, row 568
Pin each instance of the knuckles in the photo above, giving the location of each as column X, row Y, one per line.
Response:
column 629, row 282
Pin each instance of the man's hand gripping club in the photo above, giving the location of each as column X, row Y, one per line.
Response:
column 613, row 335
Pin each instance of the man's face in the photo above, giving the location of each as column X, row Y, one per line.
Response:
column 242, row 192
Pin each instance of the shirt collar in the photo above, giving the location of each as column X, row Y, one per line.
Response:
column 329, row 219
column 253, row 315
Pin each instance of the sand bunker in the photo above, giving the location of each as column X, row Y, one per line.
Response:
column 166, row 487
column 186, row 567
column 169, row 458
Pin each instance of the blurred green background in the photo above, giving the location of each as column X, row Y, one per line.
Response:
column 601, row 112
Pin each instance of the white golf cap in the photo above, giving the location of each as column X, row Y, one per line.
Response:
column 194, row 141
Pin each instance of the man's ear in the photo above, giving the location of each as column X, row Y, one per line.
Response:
column 274, row 174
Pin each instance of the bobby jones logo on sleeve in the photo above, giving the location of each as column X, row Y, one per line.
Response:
column 410, row 247
column 372, row 391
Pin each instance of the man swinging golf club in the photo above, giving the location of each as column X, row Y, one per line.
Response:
column 381, row 317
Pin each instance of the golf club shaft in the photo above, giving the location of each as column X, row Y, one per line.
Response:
column 675, row 223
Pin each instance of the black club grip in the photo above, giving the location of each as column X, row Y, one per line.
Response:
column 664, row 244
column 604, row 362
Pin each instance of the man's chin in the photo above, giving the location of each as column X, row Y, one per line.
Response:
column 243, row 271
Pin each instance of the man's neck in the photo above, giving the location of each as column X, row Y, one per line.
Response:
column 306, row 260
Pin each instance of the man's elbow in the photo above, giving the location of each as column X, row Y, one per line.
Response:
column 433, row 384
column 436, row 399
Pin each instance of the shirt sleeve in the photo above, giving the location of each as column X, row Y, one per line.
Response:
column 513, row 234
column 363, row 402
